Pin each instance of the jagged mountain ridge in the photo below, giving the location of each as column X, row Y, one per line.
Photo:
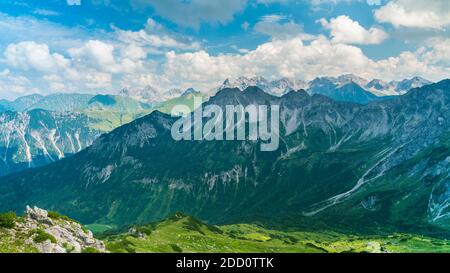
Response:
column 346, row 87
column 276, row 88
column 339, row 162
column 151, row 95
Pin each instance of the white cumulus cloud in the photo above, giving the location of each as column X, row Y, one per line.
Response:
column 320, row 57
column 344, row 30
column 95, row 53
column 154, row 35
column 30, row 55
column 294, row 58
column 433, row 14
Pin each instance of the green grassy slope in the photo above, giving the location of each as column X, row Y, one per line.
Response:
column 181, row 233
column 15, row 244
column 126, row 110
column 185, row 100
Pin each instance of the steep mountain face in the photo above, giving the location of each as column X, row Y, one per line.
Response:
column 361, row 166
column 38, row 137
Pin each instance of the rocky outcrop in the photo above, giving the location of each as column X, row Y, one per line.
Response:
column 52, row 233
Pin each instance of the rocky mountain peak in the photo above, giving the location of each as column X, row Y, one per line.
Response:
column 350, row 78
column 276, row 87
column 300, row 93
column 147, row 94
column 50, row 232
column 37, row 214
column 377, row 84
column 189, row 91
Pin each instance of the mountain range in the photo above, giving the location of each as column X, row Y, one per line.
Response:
column 276, row 88
column 342, row 164
column 343, row 88
column 36, row 130
column 149, row 94
column 346, row 87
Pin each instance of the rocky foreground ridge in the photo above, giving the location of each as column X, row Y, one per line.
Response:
column 42, row 231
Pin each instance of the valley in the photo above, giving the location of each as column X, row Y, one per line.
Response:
column 352, row 166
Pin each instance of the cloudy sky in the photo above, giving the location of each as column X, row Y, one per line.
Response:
column 100, row 46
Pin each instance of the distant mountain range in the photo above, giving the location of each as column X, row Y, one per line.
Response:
column 334, row 87
column 348, row 87
column 150, row 94
column 103, row 113
column 340, row 164
column 343, row 88
column 276, row 88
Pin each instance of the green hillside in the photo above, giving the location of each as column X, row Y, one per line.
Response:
column 185, row 100
column 109, row 112
column 40, row 231
column 181, row 233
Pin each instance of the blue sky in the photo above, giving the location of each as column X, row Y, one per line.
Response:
column 100, row 46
